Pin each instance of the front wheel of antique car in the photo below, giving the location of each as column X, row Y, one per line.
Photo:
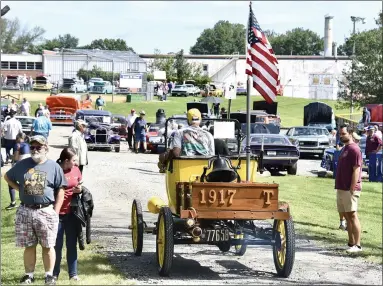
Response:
column 165, row 241
column 284, row 247
column 137, row 227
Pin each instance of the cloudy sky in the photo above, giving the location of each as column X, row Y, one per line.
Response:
column 171, row 26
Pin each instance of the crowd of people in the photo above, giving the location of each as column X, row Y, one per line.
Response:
column 25, row 82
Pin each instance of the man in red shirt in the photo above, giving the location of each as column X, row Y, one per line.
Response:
column 348, row 186
column 373, row 142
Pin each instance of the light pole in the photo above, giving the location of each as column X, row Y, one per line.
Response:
column 5, row 10
column 354, row 19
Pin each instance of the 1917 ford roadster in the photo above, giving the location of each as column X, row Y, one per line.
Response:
column 210, row 203
column 100, row 133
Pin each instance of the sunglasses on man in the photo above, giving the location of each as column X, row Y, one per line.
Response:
column 38, row 148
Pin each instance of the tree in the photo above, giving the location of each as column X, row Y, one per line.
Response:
column 66, row 41
column 224, row 38
column 97, row 72
column 163, row 64
column 109, row 44
column 363, row 82
column 297, row 41
column 15, row 39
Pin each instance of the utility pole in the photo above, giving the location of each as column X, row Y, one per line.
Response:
column 5, row 10
column 354, row 19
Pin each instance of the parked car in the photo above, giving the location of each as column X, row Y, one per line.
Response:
column 92, row 81
column 180, row 90
column 279, row 153
column 241, row 90
column 12, row 83
column 312, row 140
column 119, row 125
column 102, row 87
column 73, row 85
column 42, row 83
column 213, row 91
column 26, row 123
column 154, row 137
column 100, row 133
column 192, row 89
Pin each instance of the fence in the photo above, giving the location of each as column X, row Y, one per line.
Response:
column 352, row 119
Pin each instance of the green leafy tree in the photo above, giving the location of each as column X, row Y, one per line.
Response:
column 224, row 38
column 363, row 82
column 297, row 41
column 109, row 44
column 163, row 64
column 66, row 41
column 15, row 39
column 97, row 72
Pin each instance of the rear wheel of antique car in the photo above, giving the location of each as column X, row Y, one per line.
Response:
column 137, row 227
column 284, row 247
column 292, row 170
column 165, row 241
column 240, row 250
column 224, row 246
column 117, row 148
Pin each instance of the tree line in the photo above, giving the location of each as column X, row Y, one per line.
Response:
column 364, row 84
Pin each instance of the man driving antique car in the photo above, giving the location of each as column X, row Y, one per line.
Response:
column 189, row 141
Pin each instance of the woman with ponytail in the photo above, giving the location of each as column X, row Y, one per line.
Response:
column 67, row 223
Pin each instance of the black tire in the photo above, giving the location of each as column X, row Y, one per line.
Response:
column 165, row 266
column 292, row 170
column 224, row 246
column 117, row 149
column 285, row 269
column 137, row 215
column 240, row 250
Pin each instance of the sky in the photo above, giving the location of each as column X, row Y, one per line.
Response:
column 174, row 25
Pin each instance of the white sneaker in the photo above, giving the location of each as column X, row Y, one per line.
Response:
column 354, row 249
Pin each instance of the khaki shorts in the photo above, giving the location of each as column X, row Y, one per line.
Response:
column 347, row 202
column 36, row 225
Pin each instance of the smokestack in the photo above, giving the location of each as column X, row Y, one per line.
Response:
column 328, row 36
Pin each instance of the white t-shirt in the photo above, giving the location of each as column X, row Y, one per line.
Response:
column 131, row 119
column 379, row 134
column 11, row 128
column 26, row 107
column 194, row 141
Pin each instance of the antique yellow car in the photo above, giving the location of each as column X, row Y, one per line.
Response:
column 213, row 91
column 210, row 203
column 42, row 83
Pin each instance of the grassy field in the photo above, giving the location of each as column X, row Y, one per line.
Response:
column 94, row 269
column 313, row 206
column 290, row 109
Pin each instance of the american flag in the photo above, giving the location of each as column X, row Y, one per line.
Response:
column 261, row 63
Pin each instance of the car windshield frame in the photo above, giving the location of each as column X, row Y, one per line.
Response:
column 180, row 86
column 25, row 121
column 100, row 119
column 310, row 131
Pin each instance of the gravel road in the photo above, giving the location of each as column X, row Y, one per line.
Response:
column 115, row 179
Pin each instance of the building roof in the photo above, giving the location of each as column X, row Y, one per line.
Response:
column 122, row 56
column 242, row 57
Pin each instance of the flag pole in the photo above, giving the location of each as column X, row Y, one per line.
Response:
column 248, row 116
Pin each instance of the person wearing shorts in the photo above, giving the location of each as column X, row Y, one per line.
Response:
column 348, row 186
column 140, row 127
column 41, row 184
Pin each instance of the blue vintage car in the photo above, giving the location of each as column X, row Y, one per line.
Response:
column 101, row 87
column 100, row 133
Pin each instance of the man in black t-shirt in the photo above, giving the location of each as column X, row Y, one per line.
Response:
column 219, row 145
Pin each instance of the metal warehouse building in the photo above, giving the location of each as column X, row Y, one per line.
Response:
column 66, row 63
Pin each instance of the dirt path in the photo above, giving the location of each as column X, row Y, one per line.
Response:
column 115, row 179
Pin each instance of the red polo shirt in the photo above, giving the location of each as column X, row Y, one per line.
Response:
column 372, row 143
column 349, row 158
column 73, row 177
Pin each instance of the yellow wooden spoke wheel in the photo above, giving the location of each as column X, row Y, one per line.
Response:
column 284, row 247
column 137, row 225
column 165, row 241
column 240, row 250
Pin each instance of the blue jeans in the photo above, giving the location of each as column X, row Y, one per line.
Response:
column 12, row 194
column 67, row 224
column 9, row 145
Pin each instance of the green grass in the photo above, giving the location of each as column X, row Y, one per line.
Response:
column 290, row 109
column 94, row 268
column 313, row 206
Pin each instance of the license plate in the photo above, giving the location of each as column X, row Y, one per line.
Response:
column 271, row 153
column 217, row 235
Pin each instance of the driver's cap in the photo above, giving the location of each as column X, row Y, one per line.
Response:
column 194, row 115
